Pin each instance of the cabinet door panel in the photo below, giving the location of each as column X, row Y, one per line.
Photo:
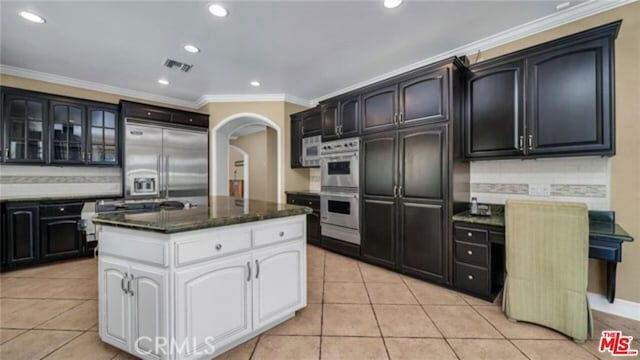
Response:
column 24, row 136
column 279, row 285
column 494, row 111
column 379, row 161
column 22, row 235
column 148, row 309
column 422, row 240
column 114, row 303
column 329, row 113
column 296, row 143
column 312, row 124
column 67, row 127
column 214, row 301
column 102, row 128
column 60, row 238
column 379, row 109
column 423, row 162
column 570, row 99
column 425, row 99
column 349, row 117
column 378, row 230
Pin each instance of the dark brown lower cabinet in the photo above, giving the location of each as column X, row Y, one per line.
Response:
column 314, row 234
column 60, row 238
column 21, row 234
column 404, row 201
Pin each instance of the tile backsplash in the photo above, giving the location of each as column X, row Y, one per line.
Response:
column 23, row 182
column 314, row 179
column 580, row 179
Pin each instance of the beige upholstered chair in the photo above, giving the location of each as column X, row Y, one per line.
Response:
column 547, row 254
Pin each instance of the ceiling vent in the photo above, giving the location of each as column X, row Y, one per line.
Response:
column 174, row 64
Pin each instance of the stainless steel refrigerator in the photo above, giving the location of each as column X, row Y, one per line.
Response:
column 164, row 162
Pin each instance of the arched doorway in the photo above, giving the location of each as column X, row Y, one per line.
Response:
column 220, row 149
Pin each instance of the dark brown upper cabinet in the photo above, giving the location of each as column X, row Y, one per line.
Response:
column 311, row 123
column 379, row 109
column 570, row 102
column 67, row 129
column 48, row 129
column 568, row 85
column 341, row 118
column 304, row 124
column 24, row 128
column 102, row 145
column 414, row 100
column 296, row 142
column 424, row 99
column 494, row 111
column 153, row 113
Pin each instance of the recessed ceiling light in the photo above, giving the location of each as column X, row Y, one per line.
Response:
column 390, row 4
column 563, row 5
column 191, row 48
column 163, row 81
column 255, row 83
column 218, row 10
column 32, row 17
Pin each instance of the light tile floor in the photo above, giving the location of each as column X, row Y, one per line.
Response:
column 355, row 311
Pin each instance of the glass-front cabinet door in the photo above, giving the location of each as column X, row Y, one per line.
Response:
column 24, row 129
column 67, row 133
column 103, row 136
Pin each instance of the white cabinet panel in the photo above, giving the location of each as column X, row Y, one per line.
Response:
column 149, row 310
column 214, row 301
column 114, row 303
column 278, row 232
column 279, row 282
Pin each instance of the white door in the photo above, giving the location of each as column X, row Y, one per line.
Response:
column 114, row 303
column 213, row 303
column 279, row 284
column 149, row 312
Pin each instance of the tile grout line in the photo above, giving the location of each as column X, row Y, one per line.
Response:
column 324, row 270
column 375, row 316
column 500, row 332
column 63, row 345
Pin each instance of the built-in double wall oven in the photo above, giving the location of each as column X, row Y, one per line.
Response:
column 340, row 204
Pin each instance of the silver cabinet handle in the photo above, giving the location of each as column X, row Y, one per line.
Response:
column 281, row 233
column 469, row 234
column 530, row 142
column 470, row 277
column 126, row 276
column 469, row 252
column 400, row 194
column 148, row 114
column 166, row 174
column 521, row 143
column 61, row 209
column 129, row 285
column 218, row 247
column 395, row 118
column 395, row 190
column 159, row 184
column 249, row 270
column 6, row 153
column 257, row 269
column 302, row 130
column 401, row 117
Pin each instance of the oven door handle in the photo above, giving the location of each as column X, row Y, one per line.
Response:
column 340, row 157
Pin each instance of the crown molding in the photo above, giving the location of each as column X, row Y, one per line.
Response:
column 206, row 99
column 574, row 13
column 90, row 85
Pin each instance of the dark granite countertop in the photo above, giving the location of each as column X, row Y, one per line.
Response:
column 601, row 223
column 222, row 211
column 303, row 192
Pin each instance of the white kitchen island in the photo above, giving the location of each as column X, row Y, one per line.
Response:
column 194, row 283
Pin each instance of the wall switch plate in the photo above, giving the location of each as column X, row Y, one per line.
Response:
column 540, row 189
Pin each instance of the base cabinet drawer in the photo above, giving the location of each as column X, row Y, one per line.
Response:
column 472, row 278
column 462, row 233
column 278, row 232
column 470, row 253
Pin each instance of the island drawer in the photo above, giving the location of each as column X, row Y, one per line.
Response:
column 215, row 245
column 471, row 278
column 139, row 248
column 278, row 232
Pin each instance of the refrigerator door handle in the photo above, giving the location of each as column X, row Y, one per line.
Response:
column 159, row 167
column 166, row 174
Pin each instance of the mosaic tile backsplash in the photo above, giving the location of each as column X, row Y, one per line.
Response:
column 583, row 179
column 25, row 182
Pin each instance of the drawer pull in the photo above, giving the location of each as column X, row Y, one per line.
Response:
column 470, row 277
column 281, row 233
column 309, row 202
column 469, row 252
column 148, row 114
column 61, row 209
column 218, row 247
column 469, row 234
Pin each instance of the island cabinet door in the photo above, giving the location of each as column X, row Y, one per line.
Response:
column 148, row 291
column 213, row 303
column 114, row 303
column 279, row 284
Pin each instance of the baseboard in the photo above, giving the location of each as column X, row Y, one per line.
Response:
column 624, row 308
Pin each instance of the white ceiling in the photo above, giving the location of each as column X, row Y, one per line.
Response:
column 304, row 48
